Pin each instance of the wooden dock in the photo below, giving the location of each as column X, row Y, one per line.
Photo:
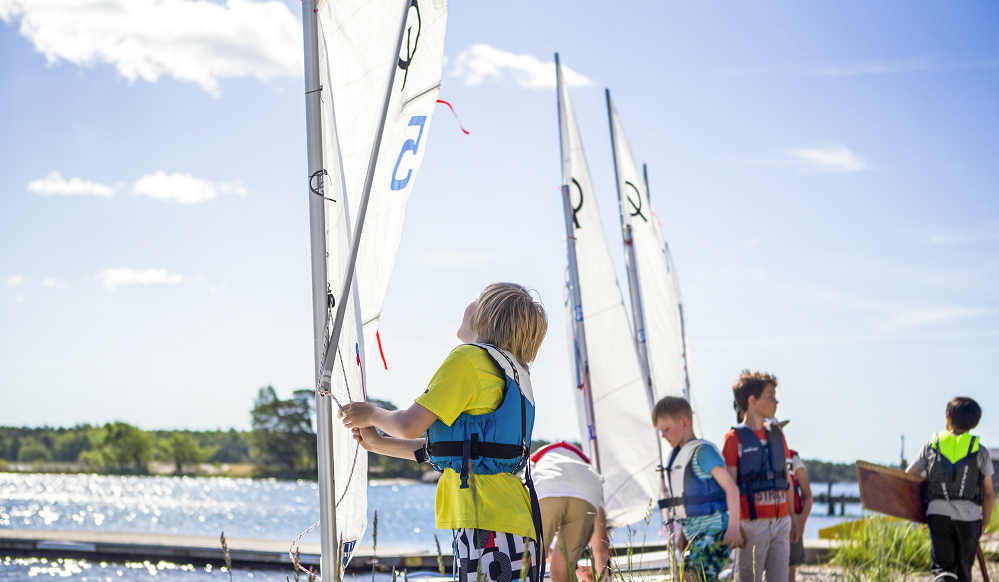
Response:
column 268, row 554
column 245, row 553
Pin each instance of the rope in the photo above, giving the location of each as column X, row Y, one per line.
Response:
column 357, row 446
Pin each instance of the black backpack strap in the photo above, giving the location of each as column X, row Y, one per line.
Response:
column 539, row 534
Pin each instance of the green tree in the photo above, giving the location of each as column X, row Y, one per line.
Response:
column 70, row 444
column 32, row 450
column 282, row 430
column 125, row 448
column 183, row 449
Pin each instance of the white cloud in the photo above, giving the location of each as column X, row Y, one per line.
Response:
column 183, row 188
column 53, row 284
column 19, row 299
column 455, row 258
column 914, row 318
column 14, row 280
column 54, row 184
column 481, row 62
column 232, row 188
column 123, row 276
column 189, row 40
column 829, row 158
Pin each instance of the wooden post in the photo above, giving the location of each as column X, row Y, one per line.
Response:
column 832, row 506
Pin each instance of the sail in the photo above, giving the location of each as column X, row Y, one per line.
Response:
column 657, row 282
column 626, row 442
column 356, row 48
column 357, row 60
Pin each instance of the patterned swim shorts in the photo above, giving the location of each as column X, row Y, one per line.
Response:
column 498, row 556
column 706, row 555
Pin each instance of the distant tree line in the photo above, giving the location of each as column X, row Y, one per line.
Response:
column 823, row 472
column 281, row 442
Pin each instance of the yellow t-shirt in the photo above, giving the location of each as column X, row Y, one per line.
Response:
column 469, row 381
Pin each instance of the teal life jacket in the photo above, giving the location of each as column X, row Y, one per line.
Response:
column 762, row 467
column 485, row 444
column 952, row 473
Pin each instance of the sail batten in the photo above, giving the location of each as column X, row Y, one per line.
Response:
column 601, row 344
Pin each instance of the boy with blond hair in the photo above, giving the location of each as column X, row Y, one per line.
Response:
column 756, row 455
column 701, row 495
column 959, row 490
column 478, row 415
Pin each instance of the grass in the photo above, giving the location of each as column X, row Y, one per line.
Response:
column 882, row 550
column 993, row 525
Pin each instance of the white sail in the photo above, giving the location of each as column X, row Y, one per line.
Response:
column 658, row 287
column 357, row 57
column 626, row 442
column 358, row 39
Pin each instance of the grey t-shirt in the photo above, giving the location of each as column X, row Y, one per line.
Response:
column 958, row 510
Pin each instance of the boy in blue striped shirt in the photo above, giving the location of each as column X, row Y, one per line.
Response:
column 701, row 495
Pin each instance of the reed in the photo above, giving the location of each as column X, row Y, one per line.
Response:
column 226, row 557
column 881, row 550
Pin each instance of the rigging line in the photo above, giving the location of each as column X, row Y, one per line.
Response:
column 357, row 450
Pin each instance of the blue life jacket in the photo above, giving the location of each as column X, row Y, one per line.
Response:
column 688, row 495
column 762, row 467
column 952, row 473
column 485, row 444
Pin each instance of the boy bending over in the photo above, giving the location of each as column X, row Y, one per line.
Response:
column 701, row 495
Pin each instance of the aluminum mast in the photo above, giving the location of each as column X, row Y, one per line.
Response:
column 579, row 331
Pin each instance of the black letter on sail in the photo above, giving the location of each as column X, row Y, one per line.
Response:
column 638, row 208
column 411, row 44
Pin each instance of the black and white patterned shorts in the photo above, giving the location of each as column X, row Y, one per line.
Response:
column 498, row 556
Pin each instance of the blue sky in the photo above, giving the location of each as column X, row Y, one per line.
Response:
column 825, row 175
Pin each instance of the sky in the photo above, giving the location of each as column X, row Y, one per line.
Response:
column 825, row 176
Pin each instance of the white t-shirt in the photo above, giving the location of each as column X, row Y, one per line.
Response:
column 561, row 473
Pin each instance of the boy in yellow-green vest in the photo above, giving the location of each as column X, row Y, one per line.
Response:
column 477, row 414
column 959, row 491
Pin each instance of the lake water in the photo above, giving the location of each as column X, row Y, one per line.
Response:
column 243, row 508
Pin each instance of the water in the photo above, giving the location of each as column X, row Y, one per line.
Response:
column 243, row 508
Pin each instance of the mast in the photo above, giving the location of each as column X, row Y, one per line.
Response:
column 578, row 327
column 637, row 311
column 631, row 265
column 329, row 566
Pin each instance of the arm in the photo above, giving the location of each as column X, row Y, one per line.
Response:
column 914, row 470
column 806, row 499
column 408, row 424
column 733, row 535
column 373, row 442
column 789, row 501
column 988, row 501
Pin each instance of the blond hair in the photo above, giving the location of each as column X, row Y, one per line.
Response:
column 509, row 318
